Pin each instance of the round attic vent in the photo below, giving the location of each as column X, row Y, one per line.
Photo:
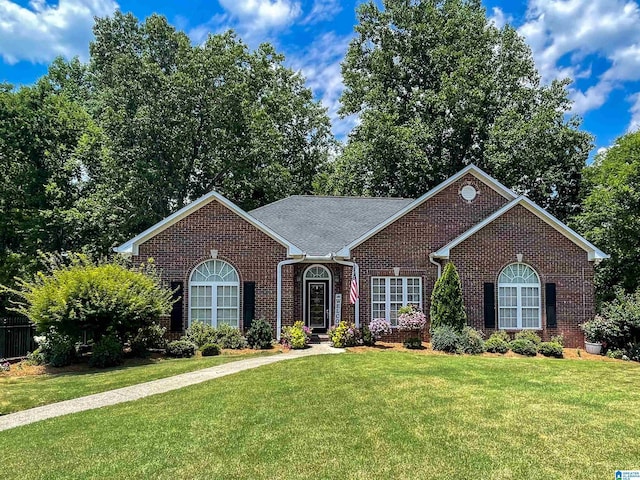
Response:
column 468, row 192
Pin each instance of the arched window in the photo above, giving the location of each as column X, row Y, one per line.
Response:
column 317, row 272
column 518, row 297
column 214, row 294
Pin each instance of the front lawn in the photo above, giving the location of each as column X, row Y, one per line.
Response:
column 370, row 415
column 22, row 392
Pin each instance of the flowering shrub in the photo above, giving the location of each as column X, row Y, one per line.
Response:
column 5, row 366
column 379, row 327
column 344, row 335
column 57, row 350
column 411, row 319
column 296, row 336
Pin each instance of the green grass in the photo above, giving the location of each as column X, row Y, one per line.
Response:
column 20, row 393
column 363, row 416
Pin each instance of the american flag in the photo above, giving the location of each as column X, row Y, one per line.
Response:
column 353, row 297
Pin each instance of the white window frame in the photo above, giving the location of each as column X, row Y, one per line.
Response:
column 387, row 295
column 214, row 295
column 519, row 306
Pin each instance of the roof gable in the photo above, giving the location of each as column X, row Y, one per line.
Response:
column 131, row 246
column 471, row 169
column 593, row 252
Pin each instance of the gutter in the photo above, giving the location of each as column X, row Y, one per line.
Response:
column 279, row 294
column 355, row 266
column 436, row 263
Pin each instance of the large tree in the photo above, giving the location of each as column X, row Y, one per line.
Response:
column 437, row 86
column 183, row 119
column 611, row 214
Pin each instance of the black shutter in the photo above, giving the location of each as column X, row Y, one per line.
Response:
column 176, row 311
column 249, row 304
column 550, row 303
column 489, row 305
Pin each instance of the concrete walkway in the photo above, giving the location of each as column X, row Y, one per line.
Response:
column 141, row 390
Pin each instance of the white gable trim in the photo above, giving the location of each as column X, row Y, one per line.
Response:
column 485, row 178
column 593, row 252
column 131, row 247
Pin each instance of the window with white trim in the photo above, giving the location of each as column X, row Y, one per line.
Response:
column 519, row 298
column 214, row 294
column 388, row 294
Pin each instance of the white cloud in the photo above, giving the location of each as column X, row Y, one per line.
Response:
column 319, row 63
column 576, row 30
column 322, row 11
column 634, row 124
column 499, row 18
column 40, row 32
column 263, row 14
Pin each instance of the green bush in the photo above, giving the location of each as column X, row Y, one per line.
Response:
column 77, row 294
column 620, row 322
column 210, row 350
column 260, row 335
column 296, row 336
column 36, row 357
column 558, row 339
column 551, row 349
column 445, row 338
column 617, row 354
column 498, row 342
column 368, row 338
column 447, row 306
column 200, row 333
column 58, row 350
column 225, row 335
column 107, row 352
column 413, row 343
column 524, row 346
column 344, row 335
column 181, row 349
column 472, row 341
column 148, row 338
column 530, row 335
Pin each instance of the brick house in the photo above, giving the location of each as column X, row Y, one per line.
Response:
column 294, row 259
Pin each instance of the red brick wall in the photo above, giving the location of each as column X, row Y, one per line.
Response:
column 255, row 255
column 554, row 257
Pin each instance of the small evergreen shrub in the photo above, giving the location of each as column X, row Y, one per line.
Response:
column 200, row 333
column 413, row 343
column 107, row 352
column 558, row 339
column 296, row 336
column 36, row 357
column 229, row 337
column 260, row 335
column 445, row 338
column 530, row 335
column 617, row 354
column 524, row 346
column 472, row 341
column 551, row 349
column 181, row 349
column 447, row 306
column 344, row 335
column 210, row 350
column 58, row 350
column 148, row 338
column 498, row 342
column 367, row 336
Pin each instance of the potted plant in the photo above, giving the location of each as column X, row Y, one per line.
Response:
column 594, row 334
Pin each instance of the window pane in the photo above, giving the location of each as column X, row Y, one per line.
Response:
column 378, row 310
column 201, row 315
column 508, row 318
column 530, row 318
column 414, row 292
column 508, row 296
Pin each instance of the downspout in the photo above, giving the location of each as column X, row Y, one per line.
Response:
column 355, row 266
column 279, row 293
column 436, row 263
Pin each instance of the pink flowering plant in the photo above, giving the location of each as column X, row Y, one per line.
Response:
column 344, row 335
column 411, row 319
column 296, row 336
column 379, row 327
column 5, row 366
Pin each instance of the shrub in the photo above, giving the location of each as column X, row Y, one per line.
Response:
column 379, row 327
column 181, row 349
column 447, row 306
column 344, row 334
column 558, row 339
column 472, row 341
column 634, row 353
column 147, row 338
column 367, row 337
column 411, row 319
column 36, row 357
column 5, row 366
column 260, row 335
column 524, row 346
column 58, row 350
column 595, row 330
column 296, row 336
column 445, row 338
column 551, row 349
column 617, row 354
column 107, row 352
column 619, row 325
column 77, row 294
column 229, row 337
column 530, row 335
column 200, row 333
column 413, row 343
column 498, row 342
column 210, row 350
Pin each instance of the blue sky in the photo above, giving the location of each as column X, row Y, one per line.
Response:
column 594, row 42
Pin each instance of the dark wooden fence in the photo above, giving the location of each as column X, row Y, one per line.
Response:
column 16, row 337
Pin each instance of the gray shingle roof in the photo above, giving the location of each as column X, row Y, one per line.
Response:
column 322, row 225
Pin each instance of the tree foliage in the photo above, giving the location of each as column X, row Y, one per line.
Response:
column 611, row 214
column 437, row 86
column 447, row 306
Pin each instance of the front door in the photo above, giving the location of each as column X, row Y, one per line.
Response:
column 317, row 304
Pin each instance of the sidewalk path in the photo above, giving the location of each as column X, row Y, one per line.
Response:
column 141, row 390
